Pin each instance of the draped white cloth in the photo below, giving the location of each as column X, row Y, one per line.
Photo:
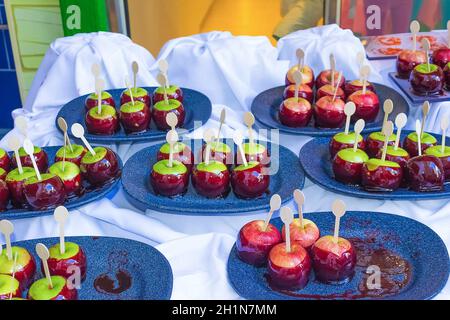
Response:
column 231, row 71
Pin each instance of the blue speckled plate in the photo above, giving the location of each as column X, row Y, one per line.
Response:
column 197, row 105
column 413, row 241
column 150, row 272
column 266, row 105
column 135, row 181
column 90, row 195
column 315, row 160
column 405, row 86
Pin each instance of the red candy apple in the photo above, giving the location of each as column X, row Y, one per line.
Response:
column 441, row 57
column 381, row 176
column 173, row 92
column 92, row 100
column 326, row 78
column 344, row 141
column 329, row 113
column 425, row 173
column 44, row 194
column 104, row 123
column 219, row 152
column 15, row 182
column 161, row 109
column 181, row 152
column 407, row 60
column 357, row 85
column 375, row 142
column 328, row 90
column 348, row 165
column 211, row 180
column 295, row 112
column 306, row 236
column 410, row 143
column 135, row 117
column 70, row 175
column 367, row 105
column 4, row 160
column 304, row 91
column 73, row 155
column 9, row 287
column 443, row 156
column 25, row 266
column 250, row 181
column 39, row 155
column 254, row 153
column 62, row 264
column 307, row 76
column 447, row 76
column 100, row 168
column 139, row 94
column 40, row 290
column 169, row 181
column 427, row 79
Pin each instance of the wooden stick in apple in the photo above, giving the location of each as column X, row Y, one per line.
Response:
column 333, row 68
column 237, row 138
column 338, row 209
column 99, row 86
column 359, row 127
column 13, row 276
column 275, row 204
column 135, row 69
column 7, row 228
column 388, row 131
column 300, row 59
column 78, row 132
column 129, row 91
column 425, row 112
column 162, row 80
column 208, row 137
column 164, row 69
column 400, row 123
column 298, row 81
column 249, row 120
column 14, row 145
column 29, row 149
column 287, row 217
column 444, row 127
column 63, row 126
column 365, row 72
column 419, row 136
column 172, row 120
column 337, row 86
column 44, row 254
column 61, row 215
column 388, row 106
column 427, row 47
column 299, row 199
column 415, row 29
column 172, row 138
column 222, row 121
column 349, row 110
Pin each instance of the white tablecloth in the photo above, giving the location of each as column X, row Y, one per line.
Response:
column 232, row 71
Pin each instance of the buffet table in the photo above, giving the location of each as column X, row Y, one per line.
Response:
column 197, row 247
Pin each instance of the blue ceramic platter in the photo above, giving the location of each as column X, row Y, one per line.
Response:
column 197, row 105
column 416, row 243
column 90, row 195
column 315, row 160
column 135, row 181
column 266, row 105
column 405, row 86
column 149, row 271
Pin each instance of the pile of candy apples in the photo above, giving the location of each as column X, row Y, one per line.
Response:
column 61, row 264
column 379, row 164
column 27, row 180
column 332, row 91
column 137, row 107
column 246, row 172
column 292, row 254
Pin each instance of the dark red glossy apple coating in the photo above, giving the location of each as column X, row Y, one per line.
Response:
column 178, row 95
column 76, row 160
column 5, row 162
column 441, row 57
column 16, row 193
column 91, row 103
column 4, row 195
column 73, row 186
column 325, row 78
column 26, row 275
column 107, row 126
column 328, row 90
column 346, row 171
column 288, row 270
column 373, row 146
column 427, row 83
column 225, row 157
column 351, row 87
column 425, row 174
column 412, row 146
column 333, row 267
column 263, row 158
column 401, row 160
column 304, row 91
column 3, row 175
column 294, row 113
column 40, row 157
column 169, row 185
column 336, row 146
column 250, row 183
column 447, row 76
column 407, row 60
column 159, row 117
column 60, row 267
column 45, row 194
column 305, row 236
column 136, row 121
column 210, row 184
column 186, row 157
column 383, row 178
column 367, row 105
column 445, row 160
column 328, row 113
column 102, row 171
column 125, row 97
column 254, row 243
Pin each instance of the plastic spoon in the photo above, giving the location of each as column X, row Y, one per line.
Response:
column 337, row 86
column 78, row 132
column 127, row 84
column 275, row 204
column 419, row 136
column 359, row 127
column 164, row 69
column 237, row 138
column 99, row 86
column 299, row 199
column 388, row 106
column 349, row 110
column 162, row 80
column 61, row 215
column 135, row 69
column 426, row 46
column 172, row 120
column 300, row 59
column 249, row 120
column 14, row 145
column 365, row 72
column 172, row 138
column 7, row 228
column 338, row 209
column 208, row 137
column 388, row 130
column 29, row 149
column 63, row 126
column 43, row 254
column 400, row 123
column 415, row 28
column 287, row 217
column 425, row 112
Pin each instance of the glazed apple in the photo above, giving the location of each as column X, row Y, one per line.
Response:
column 295, row 112
column 4, row 160
column 46, row 193
column 4, row 195
column 325, row 78
column 306, row 235
column 381, row 176
column 254, row 152
column 139, row 94
column 441, row 57
column 70, row 175
column 100, row 168
column 407, row 60
column 25, row 266
column 219, row 152
column 348, row 165
column 181, row 152
column 254, row 243
column 425, row 173
column 9, row 287
column 169, row 181
column 328, row 90
column 15, row 182
column 59, row 264
column 173, row 92
column 104, row 123
column 375, row 142
column 426, row 81
column 211, row 180
column 342, row 141
column 357, row 85
column 304, row 91
column 400, row 156
column 329, row 113
column 40, row 290
column 334, row 263
column 250, row 181
column 288, row 270
column 39, row 155
column 443, row 156
column 73, row 155
column 135, row 117
column 367, row 105
column 447, row 76
column 161, row 109
column 92, row 100
column 410, row 143
column 307, row 76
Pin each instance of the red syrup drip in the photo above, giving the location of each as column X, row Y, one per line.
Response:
column 117, row 279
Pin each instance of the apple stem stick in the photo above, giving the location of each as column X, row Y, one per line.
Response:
column 287, row 218
column 164, row 68
column 208, row 136
column 426, row 46
column 29, row 149
column 64, row 158
column 337, row 86
column 419, row 136
column 129, row 91
column 78, row 132
column 299, row 198
column 388, row 106
column 172, row 138
column 425, row 111
column 99, row 86
column 135, row 68
column 14, row 145
column 13, row 276
column 360, row 59
column 300, row 59
column 61, row 214
column 275, row 204
column 162, row 80
column 249, row 120
column 222, row 121
column 63, row 126
column 172, row 120
column 415, row 28
column 44, row 254
column 338, row 209
column 388, row 130
column 7, row 228
column 298, row 81
column 444, row 126
column 359, row 127
column 349, row 110
column 365, row 73
column 237, row 138
column 400, row 122
column 332, row 68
